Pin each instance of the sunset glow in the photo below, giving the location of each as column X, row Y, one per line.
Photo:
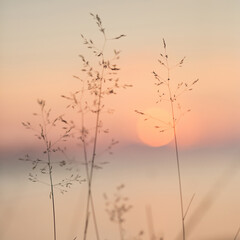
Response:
column 113, row 74
column 154, row 127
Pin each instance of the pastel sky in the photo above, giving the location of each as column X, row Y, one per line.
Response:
column 39, row 46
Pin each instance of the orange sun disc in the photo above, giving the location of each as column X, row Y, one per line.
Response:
column 154, row 127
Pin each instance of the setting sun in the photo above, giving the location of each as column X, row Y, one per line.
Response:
column 154, row 127
column 119, row 120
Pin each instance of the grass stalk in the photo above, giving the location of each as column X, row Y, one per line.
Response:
column 236, row 236
column 175, row 144
column 101, row 80
column 90, row 174
column 44, row 165
column 150, row 224
column 87, row 174
column 121, row 231
column 117, row 208
column 52, row 197
column 48, row 146
column 166, row 93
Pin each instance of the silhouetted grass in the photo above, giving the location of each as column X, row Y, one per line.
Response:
column 170, row 91
column 97, row 82
column 45, row 166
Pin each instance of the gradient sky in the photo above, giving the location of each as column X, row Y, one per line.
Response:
column 39, row 46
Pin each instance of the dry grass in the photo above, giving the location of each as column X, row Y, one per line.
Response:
column 45, row 165
column 169, row 91
column 98, row 81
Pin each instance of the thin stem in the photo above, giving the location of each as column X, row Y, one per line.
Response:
column 159, row 120
column 150, row 223
column 88, row 177
column 176, row 146
column 52, row 197
column 94, row 143
column 92, row 163
column 179, row 176
column 189, row 205
column 50, row 177
column 120, row 227
column 236, row 236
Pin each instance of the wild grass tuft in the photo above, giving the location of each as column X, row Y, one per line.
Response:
column 117, row 208
column 46, row 165
column 98, row 81
column 169, row 90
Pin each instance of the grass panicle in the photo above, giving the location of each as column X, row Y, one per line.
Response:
column 169, row 91
column 117, row 208
column 98, row 80
column 46, row 165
